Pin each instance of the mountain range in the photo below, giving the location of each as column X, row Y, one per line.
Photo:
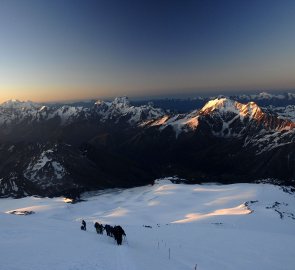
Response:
column 52, row 150
column 184, row 105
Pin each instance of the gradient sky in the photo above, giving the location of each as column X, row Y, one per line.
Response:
column 70, row 49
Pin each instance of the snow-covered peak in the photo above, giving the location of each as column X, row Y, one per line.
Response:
column 69, row 114
column 226, row 118
column 43, row 108
column 118, row 110
column 15, row 111
column 268, row 98
column 218, row 104
column 121, row 101
column 264, row 95
column 250, row 109
column 121, row 109
column 20, row 105
column 99, row 102
column 118, row 102
column 224, row 105
column 10, row 103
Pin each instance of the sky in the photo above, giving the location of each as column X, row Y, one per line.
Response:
column 81, row 49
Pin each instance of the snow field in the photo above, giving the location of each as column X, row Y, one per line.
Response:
column 207, row 225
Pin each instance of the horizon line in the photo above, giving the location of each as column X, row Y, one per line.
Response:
column 159, row 97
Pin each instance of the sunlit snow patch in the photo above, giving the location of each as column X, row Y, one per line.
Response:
column 238, row 210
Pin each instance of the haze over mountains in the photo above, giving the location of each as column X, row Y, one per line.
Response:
column 52, row 150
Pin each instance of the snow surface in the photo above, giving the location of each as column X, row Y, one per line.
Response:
column 241, row 226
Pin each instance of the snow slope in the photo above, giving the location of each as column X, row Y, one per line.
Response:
column 241, row 226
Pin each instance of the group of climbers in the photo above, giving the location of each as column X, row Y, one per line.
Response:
column 116, row 232
column 98, row 227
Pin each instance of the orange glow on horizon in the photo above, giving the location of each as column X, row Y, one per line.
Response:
column 54, row 93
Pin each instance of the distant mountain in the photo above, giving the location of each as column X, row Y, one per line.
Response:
column 265, row 99
column 226, row 118
column 184, row 105
column 32, row 121
column 177, row 105
column 63, row 150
